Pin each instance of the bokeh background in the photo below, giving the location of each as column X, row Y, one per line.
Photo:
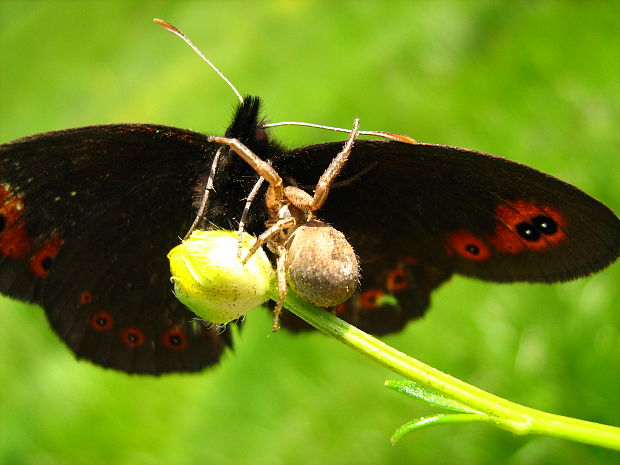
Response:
column 537, row 82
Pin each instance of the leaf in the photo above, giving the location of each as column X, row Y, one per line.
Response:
column 417, row 391
column 440, row 419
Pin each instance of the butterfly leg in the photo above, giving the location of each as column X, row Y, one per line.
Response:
column 204, row 201
column 244, row 215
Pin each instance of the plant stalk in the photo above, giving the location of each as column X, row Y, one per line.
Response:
column 504, row 414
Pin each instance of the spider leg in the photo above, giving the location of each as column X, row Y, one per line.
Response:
column 260, row 166
column 321, row 190
column 326, row 179
column 282, row 287
column 280, row 225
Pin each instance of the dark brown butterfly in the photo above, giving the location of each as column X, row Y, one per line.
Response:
column 87, row 216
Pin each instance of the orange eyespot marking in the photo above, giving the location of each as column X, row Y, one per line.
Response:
column 467, row 246
column 411, row 260
column 505, row 240
column 86, row 297
column 526, row 226
column 41, row 261
column 101, row 321
column 397, row 280
column 15, row 242
column 132, row 337
column 370, row 298
column 174, row 338
column 10, row 210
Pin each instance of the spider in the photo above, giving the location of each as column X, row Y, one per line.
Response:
column 314, row 259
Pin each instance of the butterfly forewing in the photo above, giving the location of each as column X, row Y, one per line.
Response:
column 415, row 214
column 465, row 211
column 98, row 209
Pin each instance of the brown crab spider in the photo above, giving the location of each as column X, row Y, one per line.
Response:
column 314, row 259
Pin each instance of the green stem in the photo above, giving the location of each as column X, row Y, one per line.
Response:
column 505, row 414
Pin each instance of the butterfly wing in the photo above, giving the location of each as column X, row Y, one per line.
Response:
column 88, row 216
column 421, row 212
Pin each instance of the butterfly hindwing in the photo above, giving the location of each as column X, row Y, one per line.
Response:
column 393, row 291
column 99, row 207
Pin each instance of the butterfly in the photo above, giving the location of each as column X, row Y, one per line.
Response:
column 88, row 215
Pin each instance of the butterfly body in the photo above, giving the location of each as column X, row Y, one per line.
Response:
column 88, row 215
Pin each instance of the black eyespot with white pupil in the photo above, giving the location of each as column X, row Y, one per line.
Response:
column 545, row 225
column 46, row 263
column 472, row 249
column 133, row 337
column 528, row 232
column 540, row 225
column 102, row 321
column 175, row 340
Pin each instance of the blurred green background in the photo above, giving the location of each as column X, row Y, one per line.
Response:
column 537, row 82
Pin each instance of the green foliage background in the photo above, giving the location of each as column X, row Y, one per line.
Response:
column 534, row 81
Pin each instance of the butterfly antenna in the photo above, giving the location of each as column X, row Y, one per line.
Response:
column 209, row 185
column 386, row 135
column 169, row 27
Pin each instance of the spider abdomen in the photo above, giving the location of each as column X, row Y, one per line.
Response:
column 321, row 266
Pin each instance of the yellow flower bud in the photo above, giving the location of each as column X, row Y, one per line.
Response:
column 212, row 282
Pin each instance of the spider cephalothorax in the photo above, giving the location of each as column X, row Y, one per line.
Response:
column 314, row 259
